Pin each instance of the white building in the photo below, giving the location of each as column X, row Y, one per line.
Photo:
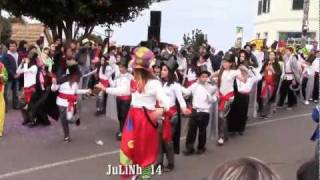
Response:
column 281, row 20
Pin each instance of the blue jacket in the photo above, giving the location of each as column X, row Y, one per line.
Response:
column 315, row 117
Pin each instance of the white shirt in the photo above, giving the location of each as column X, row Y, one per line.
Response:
column 153, row 91
column 66, row 88
column 202, row 96
column 15, row 55
column 182, row 62
column 246, row 87
column 29, row 74
column 315, row 65
column 121, row 86
column 227, row 80
column 260, row 57
column 191, row 76
column 174, row 92
column 287, row 68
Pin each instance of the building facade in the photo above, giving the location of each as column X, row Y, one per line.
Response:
column 281, row 20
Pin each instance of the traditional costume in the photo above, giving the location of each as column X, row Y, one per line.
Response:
column 292, row 72
column 202, row 99
column 3, row 80
column 121, row 85
column 29, row 71
column 238, row 116
column 68, row 90
column 171, row 123
column 271, row 73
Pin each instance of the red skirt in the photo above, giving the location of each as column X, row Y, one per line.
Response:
column 139, row 143
column 166, row 128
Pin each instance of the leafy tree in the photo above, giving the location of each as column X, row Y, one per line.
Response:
column 196, row 39
column 5, row 30
column 68, row 16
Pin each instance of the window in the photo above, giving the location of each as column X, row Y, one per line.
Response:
column 259, row 7
column 263, row 6
column 297, row 4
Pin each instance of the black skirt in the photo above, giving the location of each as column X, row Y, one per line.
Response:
column 237, row 118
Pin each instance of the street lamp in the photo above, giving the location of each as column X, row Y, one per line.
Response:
column 108, row 34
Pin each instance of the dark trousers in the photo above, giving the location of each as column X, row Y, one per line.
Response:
column 122, row 110
column 286, row 91
column 101, row 102
column 198, row 120
column 14, row 86
column 315, row 93
column 64, row 121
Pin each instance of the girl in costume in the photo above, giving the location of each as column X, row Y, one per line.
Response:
column 271, row 72
column 226, row 77
column 29, row 69
column 170, row 123
column 3, row 80
column 122, row 83
column 140, row 142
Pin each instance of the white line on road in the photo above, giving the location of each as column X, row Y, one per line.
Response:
column 94, row 156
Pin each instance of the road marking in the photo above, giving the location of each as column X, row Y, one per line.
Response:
column 94, row 156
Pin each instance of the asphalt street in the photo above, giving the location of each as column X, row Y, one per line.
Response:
column 40, row 153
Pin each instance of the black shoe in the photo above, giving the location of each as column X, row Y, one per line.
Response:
column 24, row 123
column 188, row 152
column 78, row 122
column 169, row 168
column 32, row 124
column 67, row 139
column 118, row 136
column 201, row 151
column 98, row 113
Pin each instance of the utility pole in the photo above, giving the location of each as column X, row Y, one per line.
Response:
column 305, row 23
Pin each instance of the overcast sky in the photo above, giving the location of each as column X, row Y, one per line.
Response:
column 217, row 18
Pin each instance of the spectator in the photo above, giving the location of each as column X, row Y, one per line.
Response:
column 11, row 61
column 23, row 49
column 216, row 60
column 309, row 170
column 244, row 169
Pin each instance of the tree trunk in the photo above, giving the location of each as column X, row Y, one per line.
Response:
column 68, row 30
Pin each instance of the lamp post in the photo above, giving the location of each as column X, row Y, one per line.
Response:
column 108, row 33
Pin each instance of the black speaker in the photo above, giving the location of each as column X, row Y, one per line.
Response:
column 154, row 33
column 155, row 18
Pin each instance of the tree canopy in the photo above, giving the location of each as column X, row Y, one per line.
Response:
column 196, row 39
column 69, row 16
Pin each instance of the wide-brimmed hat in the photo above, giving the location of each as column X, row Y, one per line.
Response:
column 172, row 63
column 203, row 69
column 124, row 61
column 142, row 58
column 229, row 57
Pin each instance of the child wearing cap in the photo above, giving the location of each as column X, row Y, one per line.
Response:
column 203, row 95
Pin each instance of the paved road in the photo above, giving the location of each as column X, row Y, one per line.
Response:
column 39, row 153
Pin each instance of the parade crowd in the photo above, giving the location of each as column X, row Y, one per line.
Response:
column 155, row 88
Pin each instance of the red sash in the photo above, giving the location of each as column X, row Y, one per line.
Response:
column 166, row 127
column 189, row 83
column 124, row 98
column 105, row 83
column 27, row 91
column 224, row 99
column 71, row 98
